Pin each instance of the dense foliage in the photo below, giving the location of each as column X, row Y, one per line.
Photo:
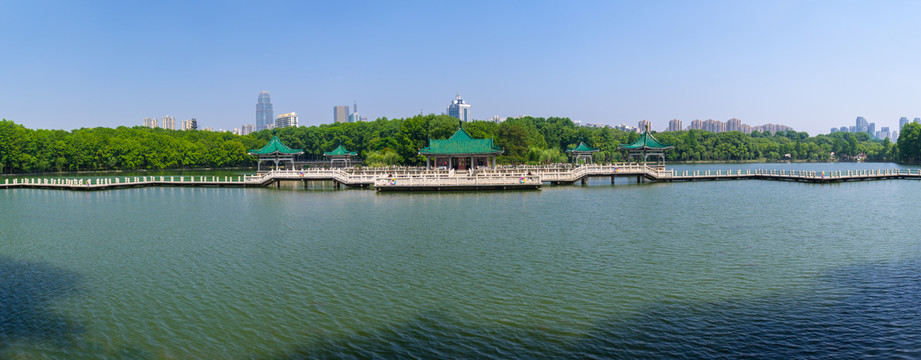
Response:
column 397, row 141
column 25, row 150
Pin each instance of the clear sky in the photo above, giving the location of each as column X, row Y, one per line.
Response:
column 806, row 64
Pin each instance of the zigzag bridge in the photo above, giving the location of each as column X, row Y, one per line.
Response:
column 418, row 179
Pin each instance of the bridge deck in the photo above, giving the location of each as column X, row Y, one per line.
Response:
column 505, row 178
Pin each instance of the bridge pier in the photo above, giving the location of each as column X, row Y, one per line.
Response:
column 639, row 179
column 585, row 180
column 612, row 179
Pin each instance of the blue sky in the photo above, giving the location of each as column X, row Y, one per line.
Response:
column 806, row 64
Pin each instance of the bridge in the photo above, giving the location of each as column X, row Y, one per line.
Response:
column 501, row 178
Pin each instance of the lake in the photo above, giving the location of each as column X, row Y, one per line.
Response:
column 722, row 269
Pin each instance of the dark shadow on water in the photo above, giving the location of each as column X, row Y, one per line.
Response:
column 26, row 290
column 868, row 311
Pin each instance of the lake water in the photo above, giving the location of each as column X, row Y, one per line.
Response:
column 722, row 269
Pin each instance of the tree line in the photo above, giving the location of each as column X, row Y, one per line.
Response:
column 385, row 141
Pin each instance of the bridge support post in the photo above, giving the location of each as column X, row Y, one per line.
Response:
column 585, row 180
column 639, row 179
column 612, row 179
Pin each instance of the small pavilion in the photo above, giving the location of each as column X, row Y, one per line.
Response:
column 582, row 152
column 461, row 152
column 275, row 151
column 341, row 156
column 645, row 146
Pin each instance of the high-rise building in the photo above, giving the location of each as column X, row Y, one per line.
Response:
column 674, row 125
column 843, row 129
column 884, row 133
column 733, row 125
column 916, row 120
column 265, row 116
column 902, row 121
column 871, row 129
column 643, row 125
column 861, row 125
column 247, row 129
column 286, row 120
column 341, row 114
column 696, row 124
column 150, row 122
column 715, row 126
column 459, row 109
column 168, row 122
column 354, row 117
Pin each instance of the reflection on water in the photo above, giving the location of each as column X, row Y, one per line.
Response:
column 709, row 269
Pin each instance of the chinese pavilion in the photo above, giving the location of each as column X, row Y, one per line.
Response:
column 582, row 152
column 647, row 145
column 341, row 156
column 461, row 152
column 275, row 151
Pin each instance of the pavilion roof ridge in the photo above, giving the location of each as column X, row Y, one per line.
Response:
column 275, row 146
column 647, row 141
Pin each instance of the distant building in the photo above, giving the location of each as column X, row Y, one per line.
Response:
column 674, row 125
column 168, row 122
column 714, row 126
column 733, row 125
column 871, row 129
column 208, row 129
column 286, row 120
column 236, row 131
column 190, row 124
column 354, row 117
column 151, row 123
column 833, row 130
column 884, row 133
column 895, row 136
column 643, row 125
column 265, row 116
column 340, row 114
column 843, row 129
column 917, row 121
column 247, row 129
column 696, row 124
column 902, row 122
column 861, row 124
column 459, row 109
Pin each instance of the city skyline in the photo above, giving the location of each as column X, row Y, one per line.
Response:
column 801, row 64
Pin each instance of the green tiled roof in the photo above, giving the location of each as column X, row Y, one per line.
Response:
column 460, row 143
column 275, row 146
column 340, row 151
column 582, row 148
column 648, row 142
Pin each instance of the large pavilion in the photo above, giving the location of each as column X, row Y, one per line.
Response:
column 461, row 152
column 341, row 156
column 582, row 152
column 645, row 146
column 275, row 151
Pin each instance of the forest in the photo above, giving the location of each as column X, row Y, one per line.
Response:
column 531, row 140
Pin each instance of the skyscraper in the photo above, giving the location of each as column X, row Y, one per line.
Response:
column 355, row 117
column 902, row 121
column 151, row 123
column 341, row 114
column 861, row 125
column 459, row 109
column 871, row 129
column 247, row 129
column 674, row 125
column 643, row 125
column 168, row 122
column 286, row 120
column 265, row 116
